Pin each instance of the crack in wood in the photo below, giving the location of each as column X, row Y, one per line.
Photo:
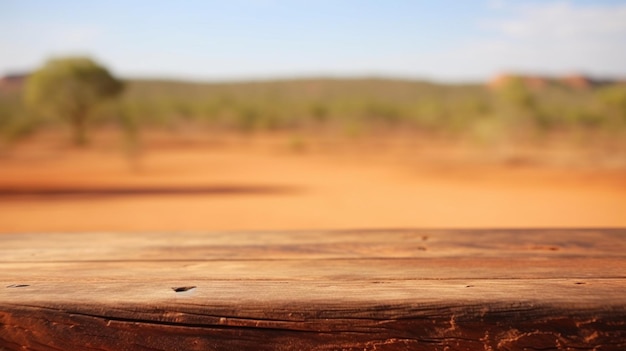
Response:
column 183, row 288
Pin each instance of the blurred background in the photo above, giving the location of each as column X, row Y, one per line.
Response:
column 275, row 114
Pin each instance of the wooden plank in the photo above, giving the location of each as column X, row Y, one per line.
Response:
column 352, row 290
column 312, row 245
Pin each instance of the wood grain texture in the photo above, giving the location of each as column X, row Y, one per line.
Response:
column 352, row 290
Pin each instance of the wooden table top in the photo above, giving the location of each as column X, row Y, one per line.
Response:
column 545, row 289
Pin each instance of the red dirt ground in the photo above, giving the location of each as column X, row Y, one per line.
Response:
column 282, row 183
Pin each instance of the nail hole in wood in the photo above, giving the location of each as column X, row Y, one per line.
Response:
column 580, row 283
column 183, row 288
column 469, row 286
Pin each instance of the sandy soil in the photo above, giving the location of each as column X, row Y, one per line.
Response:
column 281, row 183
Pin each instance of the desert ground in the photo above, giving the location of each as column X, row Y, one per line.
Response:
column 286, row 182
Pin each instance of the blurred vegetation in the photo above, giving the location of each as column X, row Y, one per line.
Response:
column 70, row 89
column 350, row 107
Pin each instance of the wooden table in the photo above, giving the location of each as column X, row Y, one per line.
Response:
column 350, row 290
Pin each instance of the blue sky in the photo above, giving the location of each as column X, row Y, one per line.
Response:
column 469, row 40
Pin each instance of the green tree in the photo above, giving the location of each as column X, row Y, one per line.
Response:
column 614, row 99
column 70, row 88
column 517, row 93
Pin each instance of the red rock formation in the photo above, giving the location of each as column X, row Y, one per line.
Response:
column 532, row 82
column 577, row 81
column 536, row 82
column 12, row 82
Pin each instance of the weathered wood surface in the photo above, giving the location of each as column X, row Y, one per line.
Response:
column 359, row 290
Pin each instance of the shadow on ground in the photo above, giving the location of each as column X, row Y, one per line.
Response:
column 102, row 192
